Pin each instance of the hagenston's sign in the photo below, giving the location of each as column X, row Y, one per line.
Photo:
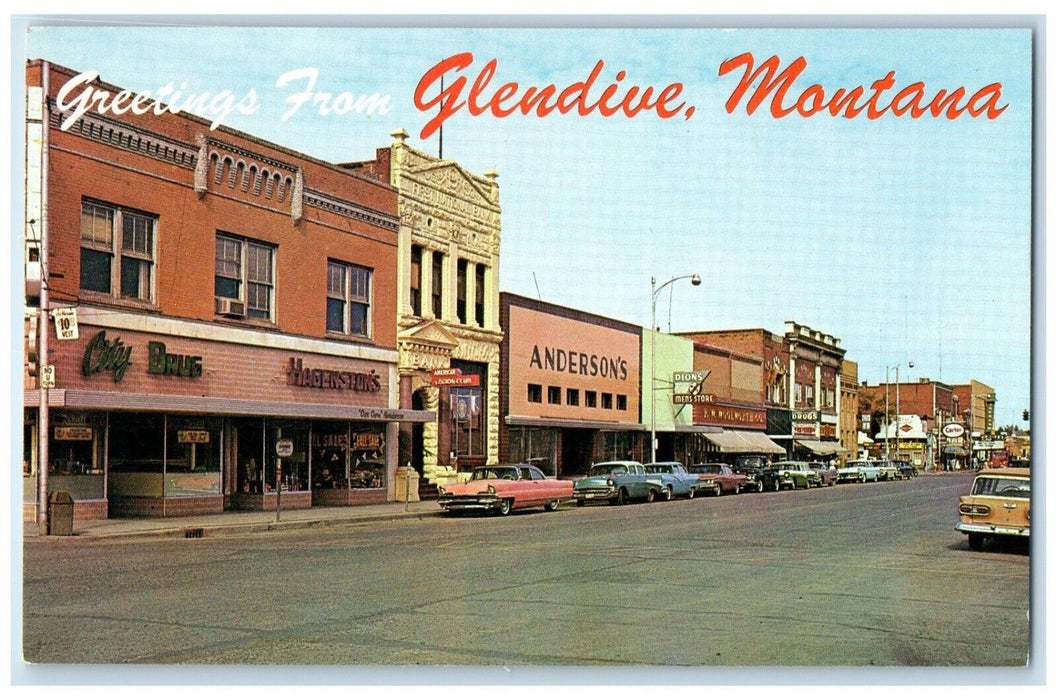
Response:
column 298, row 375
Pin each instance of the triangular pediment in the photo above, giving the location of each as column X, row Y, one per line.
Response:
column 430, row 332
column 448, row 176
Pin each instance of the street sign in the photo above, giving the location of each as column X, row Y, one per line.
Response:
column 47, row 377
column 65, row 323
column 284, row 448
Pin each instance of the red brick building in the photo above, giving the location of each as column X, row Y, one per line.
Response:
column 230, row 295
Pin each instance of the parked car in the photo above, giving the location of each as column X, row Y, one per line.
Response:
column 998, row 506
column 723, row 478
column 905, row 468
column 824, row 474
column 793, row 474
column 504, row 488
column 859, row 470
column 756, row 469
column 617, row 482
column 676, row 479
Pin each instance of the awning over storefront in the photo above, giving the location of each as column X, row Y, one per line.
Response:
column 167, row 403
column 955, row 451
column 534, row 422
column 821, row 447
column 744, row 441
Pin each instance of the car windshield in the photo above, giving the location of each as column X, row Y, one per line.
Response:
column 659, row 468
column 707, row 469
column 604, row 469
column 495, row 473
column 1001, row 486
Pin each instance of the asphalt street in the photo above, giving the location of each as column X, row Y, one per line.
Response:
column 844, row 577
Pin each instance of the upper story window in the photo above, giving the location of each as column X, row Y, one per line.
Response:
column 478, row 298
column 460, row 291
column 348, row 299
column 438, row 285
column 244, row 284
column 415, row 296
column 117, row 251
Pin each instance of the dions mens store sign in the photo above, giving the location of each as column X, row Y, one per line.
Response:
column 112, row 356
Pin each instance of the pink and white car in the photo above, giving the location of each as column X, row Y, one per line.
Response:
column 503, row 488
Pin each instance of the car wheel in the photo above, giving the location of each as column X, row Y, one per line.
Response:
column 759, row 487
column 976, row 541
column 551, row 507
column 719, row 490
column 776, row 485
column 737, row 489
column 691, row 493
column 504, row 507
column 622, row 497
column 862, row 478
column 667, row 493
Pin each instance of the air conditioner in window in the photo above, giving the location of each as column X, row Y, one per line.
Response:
column 230, row 307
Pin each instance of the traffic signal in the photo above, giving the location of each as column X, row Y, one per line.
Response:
column 1026, row 415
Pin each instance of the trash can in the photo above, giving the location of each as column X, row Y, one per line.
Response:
column 406, row 485
column 60, row 513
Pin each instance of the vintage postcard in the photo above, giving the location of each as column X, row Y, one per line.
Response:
column 504, row 352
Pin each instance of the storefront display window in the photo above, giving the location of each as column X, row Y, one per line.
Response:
column 249, row 455
column 617, row 445
column 192, row 460
column 348, row 456
column 294, row 467
column 536, row 446
column 136, row 446
column 75, row 457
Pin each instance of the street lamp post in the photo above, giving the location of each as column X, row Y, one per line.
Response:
column 654, row 291
column 887, row 417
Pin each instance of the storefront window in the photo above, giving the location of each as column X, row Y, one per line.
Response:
column 348, row 456
column 367, row 456
column 469, row 414
column 536, row 446
column 75, row 456
column 136, row 445
column 192, row 464
column 295, row 467
column 617, row 445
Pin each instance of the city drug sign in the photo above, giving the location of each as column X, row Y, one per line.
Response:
column 112, row 355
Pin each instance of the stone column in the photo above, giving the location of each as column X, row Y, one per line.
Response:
column 427, row 283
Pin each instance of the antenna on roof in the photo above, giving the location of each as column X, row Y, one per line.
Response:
column 538, row 296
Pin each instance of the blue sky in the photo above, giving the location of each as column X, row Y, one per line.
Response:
column 910, row 240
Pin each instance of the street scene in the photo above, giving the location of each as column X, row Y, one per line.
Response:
column 848, row 576
column 527, row 348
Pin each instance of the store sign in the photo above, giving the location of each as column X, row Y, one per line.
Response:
column 284, row 448
column 827, row 430
column 367, row 441
column 103, row 355
column 194, row 437
column 683, row 399
column 161, row 362
column 733, row 416
column 692, row 377
column 297, row 375
column 805, row 415
column 73, row 432
column 453, row 376
column 953, row 430
column 112, row 355
column 576, row 362
column 804, row 429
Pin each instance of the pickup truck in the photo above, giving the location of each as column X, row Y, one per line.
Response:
column 723, row 478
column 617, row 482
column 861, row 471
column 677, row 481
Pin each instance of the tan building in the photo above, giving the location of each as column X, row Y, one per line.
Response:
column 448, row 307
column 849, row 408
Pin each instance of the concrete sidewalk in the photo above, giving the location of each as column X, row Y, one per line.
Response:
column 239, row 521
